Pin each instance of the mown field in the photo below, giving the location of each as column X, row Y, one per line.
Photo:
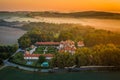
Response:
column 9, row 73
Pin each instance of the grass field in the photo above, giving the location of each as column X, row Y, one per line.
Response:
column 10, row 73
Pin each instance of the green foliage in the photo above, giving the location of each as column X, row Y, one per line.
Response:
column 41, row 59
column 7, row 51
column 58, row 32
column 39, row 50
column 19, row 56
column 8, row 48
column 62, row 60
column 24, row 41
column 101, row 37
column 52, row 50
column 106, row 55
column 101, row 55
column 83, row 56
column 4, row 55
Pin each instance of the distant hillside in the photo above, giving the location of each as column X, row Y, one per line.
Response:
column 86, row 14
column 16, row 14
column 96, row 14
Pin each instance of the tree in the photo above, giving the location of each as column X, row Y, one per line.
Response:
column 7, row 50
column 110, row 55
column 24, row 42
column 62, row 60
column 41, row 59
column 106, row 55
column 19, row 56
column 83, row 56
column 14, row 48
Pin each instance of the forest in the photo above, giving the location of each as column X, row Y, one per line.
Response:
column 57, row 32
column 99, row 55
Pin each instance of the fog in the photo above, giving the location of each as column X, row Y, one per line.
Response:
column 107, row 24
column 10, row 35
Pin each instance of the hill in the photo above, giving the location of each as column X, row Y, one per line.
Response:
column 85, row 14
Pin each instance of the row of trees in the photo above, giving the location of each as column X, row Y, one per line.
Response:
column 105, row 55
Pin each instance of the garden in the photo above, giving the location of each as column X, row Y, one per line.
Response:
column 19, row 59
column 46, row 49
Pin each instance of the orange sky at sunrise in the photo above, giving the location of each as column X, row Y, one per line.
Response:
column 60, row 5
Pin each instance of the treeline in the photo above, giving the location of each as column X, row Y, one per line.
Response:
column 101, row 37
column 101, row 55
column 13, row 14
column 58, row 32
column 34, row 35
column 84, row 14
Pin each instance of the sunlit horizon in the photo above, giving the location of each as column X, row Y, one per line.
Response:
column 60, row 5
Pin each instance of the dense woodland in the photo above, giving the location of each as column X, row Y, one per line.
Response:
column 6, row 51
column 104, row 55
column 58, row 32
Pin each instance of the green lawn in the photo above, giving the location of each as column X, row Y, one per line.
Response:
column 10, row 73
column 39, row 50
column 50, row 49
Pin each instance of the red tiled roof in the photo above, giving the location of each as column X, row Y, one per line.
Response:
column 31, row 55
column 47, row 43
column 48, row 55
column 80, row 43
column 37, row 55
column 68, row 48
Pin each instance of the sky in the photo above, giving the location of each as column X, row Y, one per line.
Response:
column 60, row 5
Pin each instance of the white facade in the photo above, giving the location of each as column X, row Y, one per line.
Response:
column 31, row 51
column 36, row 58
column 32, row 58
